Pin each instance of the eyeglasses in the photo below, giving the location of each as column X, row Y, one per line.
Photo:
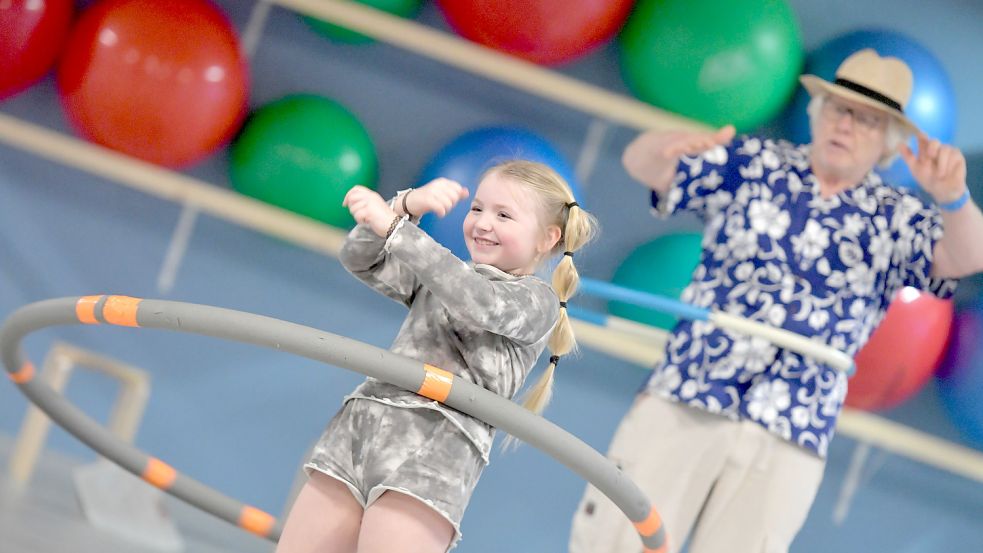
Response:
column 834, row 110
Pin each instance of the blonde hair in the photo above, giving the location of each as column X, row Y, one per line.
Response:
column 894, row 135
column 557, row 206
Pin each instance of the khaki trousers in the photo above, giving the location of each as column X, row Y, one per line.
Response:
column 730, row 486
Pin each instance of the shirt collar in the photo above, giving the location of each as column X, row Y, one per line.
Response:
column 494, row 272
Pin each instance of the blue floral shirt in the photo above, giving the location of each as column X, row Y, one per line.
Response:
column 777, row 252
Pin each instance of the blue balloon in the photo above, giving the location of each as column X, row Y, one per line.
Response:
column 468, row 156
column 960, row 377
column 933, row 102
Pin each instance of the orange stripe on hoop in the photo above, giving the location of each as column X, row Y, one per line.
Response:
column 256, row 521
column 121, row 310
column 24, row 374
column 85, row 309
column 663, row 549
column 650, row 525
column 436, row 384
column 159, row 473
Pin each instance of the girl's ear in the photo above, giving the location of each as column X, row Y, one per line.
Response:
column 550, row 238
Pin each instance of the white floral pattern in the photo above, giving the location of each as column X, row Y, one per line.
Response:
column 775, row 251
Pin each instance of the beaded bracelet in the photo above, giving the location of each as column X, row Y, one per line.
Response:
column 393, row 225
column 957, row 203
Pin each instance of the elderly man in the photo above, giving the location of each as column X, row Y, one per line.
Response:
column 730, row 435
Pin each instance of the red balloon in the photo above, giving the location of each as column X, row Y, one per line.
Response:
column 32, row 33
column 547, row 32
column 163, row 81
column 903, row 352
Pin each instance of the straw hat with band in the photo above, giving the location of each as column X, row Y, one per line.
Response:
column 882, row 83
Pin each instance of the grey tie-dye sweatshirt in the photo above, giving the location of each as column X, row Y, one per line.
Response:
column 476, row 321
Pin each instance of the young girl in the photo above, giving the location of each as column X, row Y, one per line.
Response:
column 394, row 470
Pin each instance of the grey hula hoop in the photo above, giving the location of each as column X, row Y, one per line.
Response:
column 332, row 349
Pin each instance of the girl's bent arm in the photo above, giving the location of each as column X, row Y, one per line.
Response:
column 363, row 255
column 523, row 310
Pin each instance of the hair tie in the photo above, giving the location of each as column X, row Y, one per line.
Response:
column 563, row 304
column 405, row 209
column 554, row 359
column 572, row 204
column 570, row 253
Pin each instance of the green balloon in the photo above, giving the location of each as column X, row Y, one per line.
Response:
column 402, row 8
column 303, row 153
column 717, row 61
column 664, row 267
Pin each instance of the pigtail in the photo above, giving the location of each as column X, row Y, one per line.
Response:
column 577, row 227
column 578, row 231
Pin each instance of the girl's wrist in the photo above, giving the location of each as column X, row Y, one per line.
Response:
column 396, row 202
column 393, row 225
column 402, row 203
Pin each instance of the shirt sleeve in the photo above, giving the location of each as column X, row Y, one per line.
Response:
column 364, row 256
column 703, row 183
column 919, row 229
column 523, row 310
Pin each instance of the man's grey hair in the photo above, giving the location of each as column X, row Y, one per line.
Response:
column 895, row 134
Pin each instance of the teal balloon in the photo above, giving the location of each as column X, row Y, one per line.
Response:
column 717, row 61
column 663, row 267
column 303, row 153
column 402, row 8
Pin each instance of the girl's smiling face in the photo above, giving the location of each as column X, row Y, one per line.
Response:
column 504, row 228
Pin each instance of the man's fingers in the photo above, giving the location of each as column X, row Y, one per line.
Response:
column 923, row 140
column 959, row 162
column 943, row 160
column 954, row 163
column 907, row 155
column 725, row 134
column 673, row 151
column 688, row 147
column 708, row 141
column 933, row 149
column 702, row 146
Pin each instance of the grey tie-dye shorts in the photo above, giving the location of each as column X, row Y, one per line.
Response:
column 373, row 447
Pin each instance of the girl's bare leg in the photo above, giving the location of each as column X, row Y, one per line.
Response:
column 325, row 518
column 399, row 520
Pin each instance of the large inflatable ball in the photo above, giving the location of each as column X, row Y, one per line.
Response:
column 903, row 352
column 663, row 266
column 32, row 33
column 546, row 32
column 717, row 61
column 162, row 81
column 303, row 153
